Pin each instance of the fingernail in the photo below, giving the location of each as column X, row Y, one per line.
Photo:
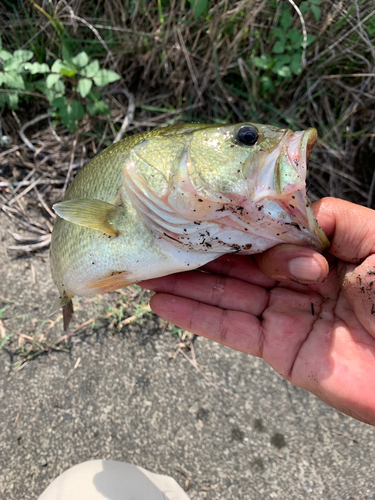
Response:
column 305, row 269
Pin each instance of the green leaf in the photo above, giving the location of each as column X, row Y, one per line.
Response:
column 98, row 108
column 5, row 55
column 263, row 62
column 59, row 87
column 35, row 68
column 295, row 65
column 92, row 108
column 316, row 11
column 17, row 60
column 281, row 63
column 60, row 102
column 304, row 7
column 13, row 80
column 316, row 2
column 69, row 113
column 284, row 72
column 13, row 100
column 57, row 66
column 105, row 76
column 310, row 39
column 81, row 60
column 77, row 110
column 69, row 72
column 283, row 60
column 64, row 68
column 295, row 38
column 278, row 48
column 84, row 86
column 66, row 55
column 52, row 79
column 91, row 69
column 49, row 93
column 267, row 84
column 3, row 99
column 72, row 113
column 1, row 77
column 103, row 108
column 279, row 33
column 286, row 19
column 199, row 7
column 95, row 95
column 23, row 55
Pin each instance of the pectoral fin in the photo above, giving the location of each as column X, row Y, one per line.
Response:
column 95, row 214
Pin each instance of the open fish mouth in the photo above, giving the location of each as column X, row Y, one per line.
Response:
column 299, row 150
column 280, row 186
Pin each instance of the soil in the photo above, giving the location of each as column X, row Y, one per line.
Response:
column 231, row 429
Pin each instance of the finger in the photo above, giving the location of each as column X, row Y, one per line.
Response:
column 359, row 290
column 243, row 267
column 237, row 330
column 291, row 263
column 214, row 290
column 350, row 228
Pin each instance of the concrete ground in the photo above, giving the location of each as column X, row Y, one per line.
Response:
column 231, row 429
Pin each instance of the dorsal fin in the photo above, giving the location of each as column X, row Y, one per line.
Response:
column 95, row 214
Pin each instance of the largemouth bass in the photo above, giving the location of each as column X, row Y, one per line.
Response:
column 175, row 198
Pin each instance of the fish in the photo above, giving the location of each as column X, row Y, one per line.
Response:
column 173, row 199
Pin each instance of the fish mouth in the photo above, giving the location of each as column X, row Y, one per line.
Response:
column 301, row 146
column 282, row 179
column 291, row 164
column 299, row 149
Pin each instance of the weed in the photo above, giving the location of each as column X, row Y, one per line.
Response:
column 286, row 55
column 175, row 330
column 67, row 79
column 132, row 305
column 199, row 7
column 312, row 6
column 80, row 75
column 15, row 68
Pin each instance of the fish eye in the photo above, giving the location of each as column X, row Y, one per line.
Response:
column 247, row 135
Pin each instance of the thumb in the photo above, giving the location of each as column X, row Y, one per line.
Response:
column 293, row 263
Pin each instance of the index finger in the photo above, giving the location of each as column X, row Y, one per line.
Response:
column 243, row 267
column 238, row 330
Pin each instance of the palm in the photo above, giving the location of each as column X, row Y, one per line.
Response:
column 308, row 334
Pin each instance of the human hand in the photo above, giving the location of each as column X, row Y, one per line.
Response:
column 319, row 336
